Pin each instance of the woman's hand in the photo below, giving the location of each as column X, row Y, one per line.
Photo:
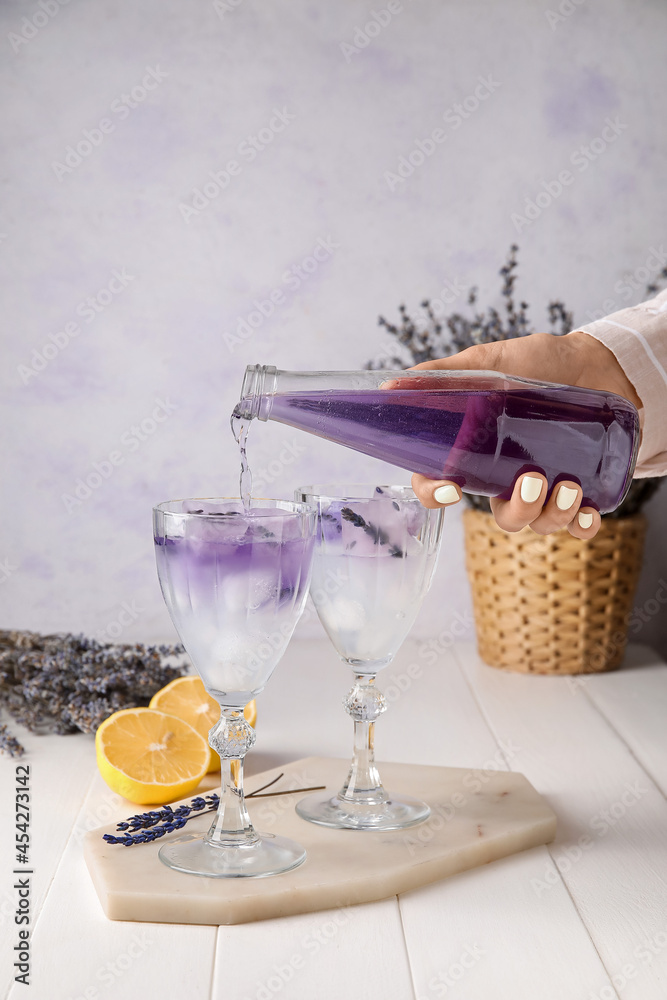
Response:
column 575, row 359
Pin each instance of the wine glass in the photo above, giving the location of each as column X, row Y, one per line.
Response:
column 375, row 552
column 235, row 581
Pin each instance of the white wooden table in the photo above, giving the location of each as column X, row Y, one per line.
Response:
column 584, row 918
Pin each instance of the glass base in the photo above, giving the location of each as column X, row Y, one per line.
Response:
column 268, row 855
column 394, row 814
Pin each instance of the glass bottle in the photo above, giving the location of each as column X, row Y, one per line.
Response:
column 479, row 429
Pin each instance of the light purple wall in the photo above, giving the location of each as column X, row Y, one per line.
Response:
column 219, row 74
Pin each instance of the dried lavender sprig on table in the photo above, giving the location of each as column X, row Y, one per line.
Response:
column 158, row 822
column 68, row 683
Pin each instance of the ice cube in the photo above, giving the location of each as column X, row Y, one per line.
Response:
column 376, row 528
column 412, row 546
column 345, row 614
column 248, row 591
column 234, row 660
column 174, row 525
column 262, row 589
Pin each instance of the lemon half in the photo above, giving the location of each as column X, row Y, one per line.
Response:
column 150, row 757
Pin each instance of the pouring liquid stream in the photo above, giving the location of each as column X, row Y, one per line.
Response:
column 240, row 426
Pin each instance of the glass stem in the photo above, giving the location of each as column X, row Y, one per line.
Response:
column 364, row 703
column 231, row 738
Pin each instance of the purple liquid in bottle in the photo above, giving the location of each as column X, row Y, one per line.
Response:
column 481, row 439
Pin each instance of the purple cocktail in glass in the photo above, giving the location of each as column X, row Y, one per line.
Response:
column 235, row 581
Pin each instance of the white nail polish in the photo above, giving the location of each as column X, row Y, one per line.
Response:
column 446, row 494
column 530, row 489
column 565, row 498
column 585, row 520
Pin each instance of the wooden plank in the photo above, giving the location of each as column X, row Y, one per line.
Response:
column 300, row 712
column 634, row 701
column 60, row 772
column 494, row 907
column 485, row 934
column 430, row 718
column 356, row 951
column 610, row 848
column 92, row 958
column 434, row 718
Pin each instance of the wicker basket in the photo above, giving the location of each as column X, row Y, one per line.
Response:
column 552, row 604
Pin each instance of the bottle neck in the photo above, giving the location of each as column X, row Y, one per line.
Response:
column 261, row 383
column 257, row 392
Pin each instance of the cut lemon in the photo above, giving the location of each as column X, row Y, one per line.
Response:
column 188, row 699
column 150, row 757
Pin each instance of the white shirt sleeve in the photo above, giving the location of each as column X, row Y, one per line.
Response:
column 637, row 337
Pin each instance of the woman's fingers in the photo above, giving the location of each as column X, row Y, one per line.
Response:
column 479, row 357
column 435, row 493
column 586, row 524
column 560, row 509
column 525, row 504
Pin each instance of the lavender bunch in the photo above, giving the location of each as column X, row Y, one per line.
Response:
column 433, row 337
column 68, row 683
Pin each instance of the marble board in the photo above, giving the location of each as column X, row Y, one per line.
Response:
column 476, row 817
